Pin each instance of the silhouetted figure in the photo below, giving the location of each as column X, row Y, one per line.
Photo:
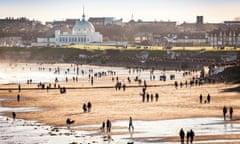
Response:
column 14, row 115
column 191, row 136
column 130, row 127
column 109, row 126
column 92, row 80
column 62, row 90
column 19, row 88
column 145, row 84
column 84, row 108
column 129, row 80
column 182, row 135
column 69, row 122
column 188, row 137
column 89, row 106
column 200, row 98
column 208, row 98
column 151, row 97
column 231, row 112
column 148, row 97
column 18, row 97
column 176, row 84
column 103, row 127
column 224, row 112
column 143, row 97
column 144, row 90
column 181, row 84
column 186, row 83
column 124, row 87
column 156, row 97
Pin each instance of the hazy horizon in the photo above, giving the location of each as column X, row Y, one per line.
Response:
column 151, row 10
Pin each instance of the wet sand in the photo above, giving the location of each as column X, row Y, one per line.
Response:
column 107, row 103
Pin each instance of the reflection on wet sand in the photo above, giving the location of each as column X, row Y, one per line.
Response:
column 155, row 131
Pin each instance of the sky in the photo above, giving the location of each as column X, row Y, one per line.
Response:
column 146, row 10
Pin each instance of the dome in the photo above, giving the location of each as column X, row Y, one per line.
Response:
column 83, row 27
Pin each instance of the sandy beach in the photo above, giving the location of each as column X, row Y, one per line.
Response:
column 116, row 105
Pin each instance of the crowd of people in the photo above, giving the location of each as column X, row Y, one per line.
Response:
column 146, row 97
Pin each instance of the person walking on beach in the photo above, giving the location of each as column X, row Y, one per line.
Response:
column 191, row 136
column 156, row 97
column 231, row 112
column 151, row 97
column 124, row 87
column 89, row 106
column 109, row 126
column 176, row 84
column 145, row 84
column 130, row 127
column 69, row 122
column 148, row 97
column 103, row 127
column 84, row 108
column 224, row 112
column 208, row 98
column 182, row 135
column 200, row 98
column 18, row 97
column 188, row 136
column 14, row 115
column 143, row 97
column 19, row 88
column 92, row 80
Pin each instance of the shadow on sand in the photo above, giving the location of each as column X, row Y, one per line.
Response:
column 234, row 89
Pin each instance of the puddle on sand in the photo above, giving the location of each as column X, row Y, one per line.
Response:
column 19, row 109
column 29, row 132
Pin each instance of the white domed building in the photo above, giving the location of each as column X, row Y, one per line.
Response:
column 83, row 32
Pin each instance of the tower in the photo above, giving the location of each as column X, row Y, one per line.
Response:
column 199, row 20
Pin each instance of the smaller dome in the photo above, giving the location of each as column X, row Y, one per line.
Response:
column 83, row 26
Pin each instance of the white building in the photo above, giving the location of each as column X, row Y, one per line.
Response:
column 83, row 32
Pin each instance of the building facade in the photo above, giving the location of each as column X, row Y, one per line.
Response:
column 224, row 37
column 83, row 32
column 102, row 21
column 143, row 38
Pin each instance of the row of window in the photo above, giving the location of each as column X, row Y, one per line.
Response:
column 74, row 39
